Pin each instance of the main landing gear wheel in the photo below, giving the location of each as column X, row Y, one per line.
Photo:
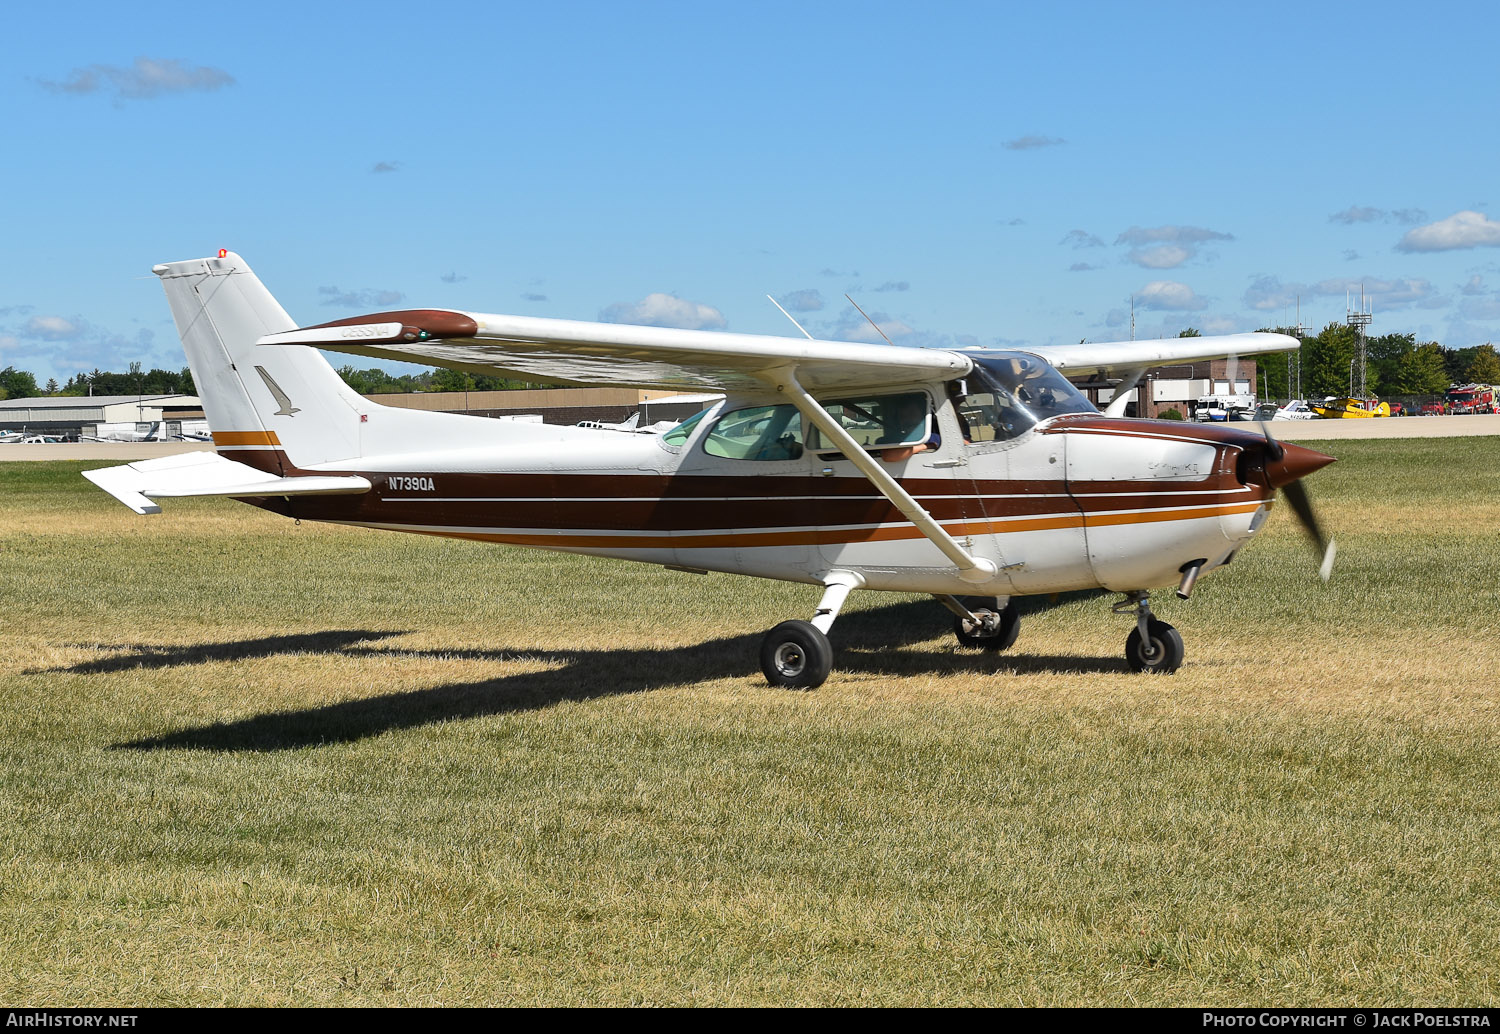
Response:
column 998, row 631
column 795, row 654
column 1161, row 652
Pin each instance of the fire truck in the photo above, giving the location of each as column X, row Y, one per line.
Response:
column 1470, row 398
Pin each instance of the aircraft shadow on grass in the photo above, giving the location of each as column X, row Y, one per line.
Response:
column 869, row 642
column 138, row 656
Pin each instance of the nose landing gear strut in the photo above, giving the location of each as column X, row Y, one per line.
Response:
column 1154, row 646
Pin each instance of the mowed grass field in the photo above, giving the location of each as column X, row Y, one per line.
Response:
column 248, row 762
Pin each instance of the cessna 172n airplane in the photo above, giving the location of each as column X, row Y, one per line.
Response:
column 974, row 475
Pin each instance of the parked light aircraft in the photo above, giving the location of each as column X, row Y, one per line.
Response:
column 973, row 475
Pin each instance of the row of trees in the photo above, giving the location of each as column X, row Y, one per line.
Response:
column 18, row 384
column 375, row 381
column 21, row 384
column 1395, row 364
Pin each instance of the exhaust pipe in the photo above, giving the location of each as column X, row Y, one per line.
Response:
column 1190, row 572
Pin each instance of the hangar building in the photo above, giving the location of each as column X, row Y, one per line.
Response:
column 74, row 415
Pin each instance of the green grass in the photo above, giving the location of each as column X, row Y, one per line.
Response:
column 251, row 762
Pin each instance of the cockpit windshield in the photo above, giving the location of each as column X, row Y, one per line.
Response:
column 1011, row 392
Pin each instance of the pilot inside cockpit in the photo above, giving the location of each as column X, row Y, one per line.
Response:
column 904, row 418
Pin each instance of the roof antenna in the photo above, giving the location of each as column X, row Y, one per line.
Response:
column 789, row 316
column 866, row 315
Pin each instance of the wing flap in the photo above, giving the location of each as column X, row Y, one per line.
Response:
column 208, row 474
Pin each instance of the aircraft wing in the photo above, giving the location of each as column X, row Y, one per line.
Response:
column 208, row 474
column 1118, row 357
column 574, row 352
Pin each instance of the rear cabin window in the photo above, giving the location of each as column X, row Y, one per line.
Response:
column 683, row 431
column 758, row 433
column 777, row 432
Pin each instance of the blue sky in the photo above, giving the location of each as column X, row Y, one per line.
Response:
column 969, row 172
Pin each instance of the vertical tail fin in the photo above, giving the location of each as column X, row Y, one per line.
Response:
column 272, row 408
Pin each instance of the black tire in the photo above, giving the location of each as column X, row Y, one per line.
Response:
column 1004, row 637
column 796, row 655
column 1166, row 649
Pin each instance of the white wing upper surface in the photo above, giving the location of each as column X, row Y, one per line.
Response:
column 575, row 352
column 1108, row 357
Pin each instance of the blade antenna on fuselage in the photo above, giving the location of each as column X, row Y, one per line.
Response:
column 794, row 322
column 866, row 315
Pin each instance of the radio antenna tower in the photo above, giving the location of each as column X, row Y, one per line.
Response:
column 1301, row 333
column 1359, row 319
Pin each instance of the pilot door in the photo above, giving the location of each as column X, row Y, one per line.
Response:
column 1033, row 524
column 921, row 445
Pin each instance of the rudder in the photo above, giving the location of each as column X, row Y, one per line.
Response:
column 275, row 409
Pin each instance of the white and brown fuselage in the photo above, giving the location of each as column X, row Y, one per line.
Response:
column 1077, row 502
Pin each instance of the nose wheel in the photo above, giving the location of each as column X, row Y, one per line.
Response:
column 1153, row 647
column 1158, row 652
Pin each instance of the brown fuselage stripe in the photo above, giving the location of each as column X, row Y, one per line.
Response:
column 246, row 438
column 827, row 536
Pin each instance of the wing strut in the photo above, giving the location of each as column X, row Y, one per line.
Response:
column 970, row 568
column 1122, row 393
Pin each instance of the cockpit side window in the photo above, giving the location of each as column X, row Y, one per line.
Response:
column 881, row 421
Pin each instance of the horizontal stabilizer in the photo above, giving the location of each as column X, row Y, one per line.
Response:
column 208, row 474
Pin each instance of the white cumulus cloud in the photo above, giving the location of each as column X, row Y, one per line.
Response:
column 665, row 310
column 1170, row 296
column 1162, row 256
column 1465, row 229
column 53, row 328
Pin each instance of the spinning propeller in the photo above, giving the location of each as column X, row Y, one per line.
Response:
column 1282, row 467
column 1286, row 475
